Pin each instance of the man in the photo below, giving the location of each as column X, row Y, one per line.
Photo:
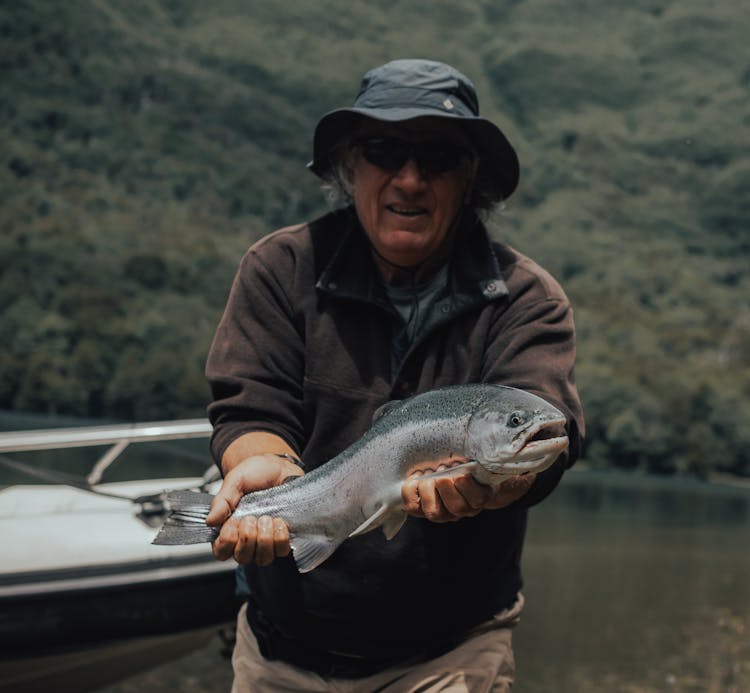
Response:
column 398, row 292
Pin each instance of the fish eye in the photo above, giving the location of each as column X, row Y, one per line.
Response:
column 516, row 419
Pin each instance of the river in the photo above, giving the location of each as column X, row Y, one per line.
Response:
column 637, row 584
column 633, row 584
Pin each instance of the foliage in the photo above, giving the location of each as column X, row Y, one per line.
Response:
column 147, row 144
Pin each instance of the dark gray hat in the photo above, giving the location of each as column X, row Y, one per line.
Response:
column 405, row 89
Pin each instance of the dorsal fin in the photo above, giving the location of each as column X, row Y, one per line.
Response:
column 385, row 409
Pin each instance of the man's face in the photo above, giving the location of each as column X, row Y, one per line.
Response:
column 406, row 212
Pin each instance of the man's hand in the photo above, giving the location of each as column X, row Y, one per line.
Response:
column 251, row 539
column 448, row 499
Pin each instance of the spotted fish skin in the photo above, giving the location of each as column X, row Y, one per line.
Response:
column 491, row 431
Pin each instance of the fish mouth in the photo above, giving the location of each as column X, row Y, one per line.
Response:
column 543, row 443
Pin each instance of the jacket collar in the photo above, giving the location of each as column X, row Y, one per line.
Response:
column 474, row 274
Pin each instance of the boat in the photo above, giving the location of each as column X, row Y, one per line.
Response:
column 85, row 598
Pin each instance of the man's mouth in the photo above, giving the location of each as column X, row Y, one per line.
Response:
column 406, row 211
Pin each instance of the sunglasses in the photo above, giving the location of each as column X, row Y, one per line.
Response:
column 431, row 156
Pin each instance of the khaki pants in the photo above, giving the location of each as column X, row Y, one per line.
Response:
column 481, row 663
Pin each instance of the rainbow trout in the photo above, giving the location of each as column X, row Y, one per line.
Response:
column 490, row 431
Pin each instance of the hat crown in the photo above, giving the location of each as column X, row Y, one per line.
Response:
column 418, row 83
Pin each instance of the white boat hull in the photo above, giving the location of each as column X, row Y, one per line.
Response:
column 81, row 582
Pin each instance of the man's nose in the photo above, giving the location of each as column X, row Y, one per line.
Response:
column 409, row 175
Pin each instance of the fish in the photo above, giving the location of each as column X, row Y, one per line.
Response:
column 490, row 431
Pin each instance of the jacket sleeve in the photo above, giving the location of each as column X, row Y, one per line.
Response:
column 255, row 364
column 532, row 347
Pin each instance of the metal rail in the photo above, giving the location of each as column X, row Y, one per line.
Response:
column 54, row 438
column 119, row 436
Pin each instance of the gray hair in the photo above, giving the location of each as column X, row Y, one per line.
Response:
column 338, row 186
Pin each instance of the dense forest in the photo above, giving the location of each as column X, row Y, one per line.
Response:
column 147, row 143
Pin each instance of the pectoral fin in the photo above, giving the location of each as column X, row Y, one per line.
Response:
column 375, row 520
column 389, row 517
column 393, row 523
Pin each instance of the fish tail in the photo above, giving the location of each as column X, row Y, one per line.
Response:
column 186, row 522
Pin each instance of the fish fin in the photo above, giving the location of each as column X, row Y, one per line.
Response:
column 393, row 523
column 390, row 517
column 184, row 499
column 385, row 409
column 186, row 522
column 311, row 550
column 375, row 520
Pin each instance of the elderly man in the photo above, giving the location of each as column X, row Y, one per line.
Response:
column 397, row 292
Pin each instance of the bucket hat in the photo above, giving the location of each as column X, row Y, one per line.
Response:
column 405, row 89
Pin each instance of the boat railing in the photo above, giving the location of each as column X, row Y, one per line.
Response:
column 117, row 436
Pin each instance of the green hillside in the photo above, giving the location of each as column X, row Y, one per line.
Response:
column 146, row 144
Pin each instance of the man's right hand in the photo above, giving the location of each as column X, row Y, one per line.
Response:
column 251, row 539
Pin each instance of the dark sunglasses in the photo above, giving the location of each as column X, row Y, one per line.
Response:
column 431, row 156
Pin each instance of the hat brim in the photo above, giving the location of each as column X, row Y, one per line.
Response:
column 498, row 168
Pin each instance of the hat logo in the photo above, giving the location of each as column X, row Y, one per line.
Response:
column 448, row 105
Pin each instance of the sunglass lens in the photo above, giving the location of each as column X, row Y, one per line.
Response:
column 431, row 156
column 438, row 157
column 390, row 154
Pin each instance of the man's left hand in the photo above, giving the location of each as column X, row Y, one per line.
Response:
column 448, row 499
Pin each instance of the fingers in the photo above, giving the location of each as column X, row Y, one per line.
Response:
column 281, row 539
column 223, row 546
column 226, row 499
column 252, row 474
column 475, row 494
column 511, row 490
column 444, row 499
column 431, row 500
column 410, row 497
column 271, row 537
column 251, row 539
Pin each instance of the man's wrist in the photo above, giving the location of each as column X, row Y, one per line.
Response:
column 292, row 458
column 257, row 444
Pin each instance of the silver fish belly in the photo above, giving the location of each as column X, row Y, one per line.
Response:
column 490, row 431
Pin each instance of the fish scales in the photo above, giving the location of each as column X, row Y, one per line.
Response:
column 490, row 431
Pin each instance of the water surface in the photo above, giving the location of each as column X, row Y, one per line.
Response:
column 637, row 584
